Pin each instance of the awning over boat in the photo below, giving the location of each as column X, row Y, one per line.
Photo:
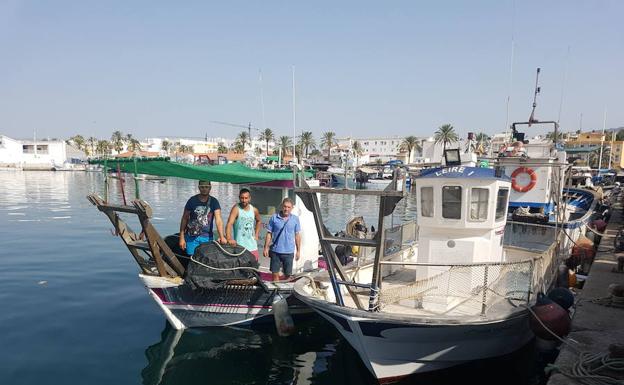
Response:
column 229, row 173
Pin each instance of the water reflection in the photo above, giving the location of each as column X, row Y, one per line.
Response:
column 315, row 355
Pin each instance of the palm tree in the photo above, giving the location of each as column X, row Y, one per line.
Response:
column 446, row 135
column 239, row 147
column 78, row 141
column 92, row 143
column 483, row 143
column 103, row 147
column 243, row 139
column 328, row 141
column 165, row 146
column 298, row 150
column 410, row 143
column 285, row 143
column 134, row 145
column 357, row 150
column 117, row 140
column 594, row 157
column 267, row 136
column 221, row 149
column 307, row 141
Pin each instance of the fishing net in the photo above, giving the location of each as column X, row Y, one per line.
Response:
column 215, row 265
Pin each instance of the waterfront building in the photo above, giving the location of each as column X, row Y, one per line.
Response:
column 377, row 148
column 589, row 142
column 37, row 154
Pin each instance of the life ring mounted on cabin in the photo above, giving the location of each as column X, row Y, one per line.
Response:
column 523, row 170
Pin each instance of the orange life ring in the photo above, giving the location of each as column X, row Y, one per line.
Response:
column 523, row 170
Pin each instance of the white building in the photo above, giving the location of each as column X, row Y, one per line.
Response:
column 204, row 146
column 384, row 148
column 40, row 155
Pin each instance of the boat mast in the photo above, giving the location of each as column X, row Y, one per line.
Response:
column 537, row 91
column 511, row 60
column 604, row 124
column 294, row 116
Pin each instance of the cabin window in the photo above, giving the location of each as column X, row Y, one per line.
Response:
column 501, row 203
column 451, row 202
column 426, row 201
column 479, row 204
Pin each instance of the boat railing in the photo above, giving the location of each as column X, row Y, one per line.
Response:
column 532, row 236
column 399, row 237
column 484, row 289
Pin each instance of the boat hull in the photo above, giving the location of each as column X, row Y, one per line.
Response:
column 243, row 306
column 393, row 347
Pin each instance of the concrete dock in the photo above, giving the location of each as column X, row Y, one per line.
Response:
column 598, row 322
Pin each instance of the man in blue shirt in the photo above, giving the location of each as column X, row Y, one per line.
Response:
column 283, row 240
column 200, row 212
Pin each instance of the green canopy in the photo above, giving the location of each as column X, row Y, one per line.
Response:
column 273, row 158
column 230, row 173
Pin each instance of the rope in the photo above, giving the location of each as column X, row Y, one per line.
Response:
column 227, row 252
column 586, row 369
column 239, row 268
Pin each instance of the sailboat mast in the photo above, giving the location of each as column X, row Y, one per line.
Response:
column 294, row 116
column 602, row 137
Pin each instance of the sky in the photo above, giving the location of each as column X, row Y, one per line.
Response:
column 361, row 68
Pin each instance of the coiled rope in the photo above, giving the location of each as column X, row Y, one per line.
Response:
column 588, row 365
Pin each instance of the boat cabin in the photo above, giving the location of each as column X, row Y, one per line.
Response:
column 462, row 214
column 461, row 218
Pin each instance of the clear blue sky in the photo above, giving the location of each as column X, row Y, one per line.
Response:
column 155, row 68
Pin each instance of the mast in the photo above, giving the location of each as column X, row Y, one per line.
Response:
column 602, row 137
column 294, row 116
column 537, row 91
column 262, row 102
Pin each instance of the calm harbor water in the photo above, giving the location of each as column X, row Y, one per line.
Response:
column 75, row 312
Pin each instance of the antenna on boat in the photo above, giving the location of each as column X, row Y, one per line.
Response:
column 264, row 126
column 565, row 76
column 294, row 111
column 537, row 91
column 511, row 61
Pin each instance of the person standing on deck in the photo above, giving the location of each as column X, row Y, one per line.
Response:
column 246, row 222
column 285, row 232
column 200, row 212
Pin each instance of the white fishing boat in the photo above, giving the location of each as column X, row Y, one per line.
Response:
column 218, row 285
column 459, row 293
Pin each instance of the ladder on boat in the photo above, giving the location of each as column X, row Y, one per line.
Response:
column 389, row 197
column 148, row 248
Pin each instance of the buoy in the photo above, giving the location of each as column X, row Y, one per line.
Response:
column 562, row 297
column 283, row 321
column 571, row 278
column 583, row 251
column 599, row 225
column 552, row 316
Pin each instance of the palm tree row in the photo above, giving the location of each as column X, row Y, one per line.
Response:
column 306, row 143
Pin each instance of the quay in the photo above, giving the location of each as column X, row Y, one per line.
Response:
column 598, row 322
